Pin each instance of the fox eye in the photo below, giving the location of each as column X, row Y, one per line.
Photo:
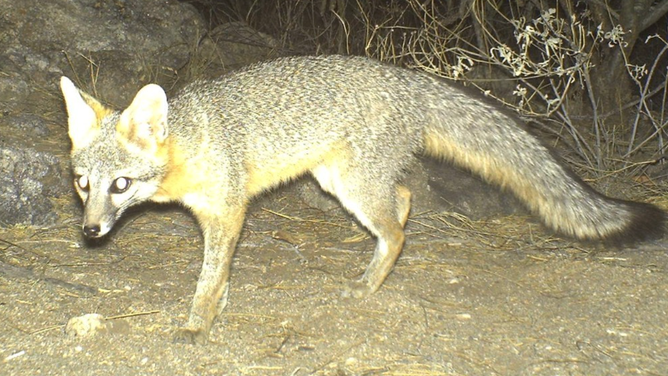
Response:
column 82, row 182
column 120, row 185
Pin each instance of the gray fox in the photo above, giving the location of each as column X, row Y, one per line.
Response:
column 355, row 124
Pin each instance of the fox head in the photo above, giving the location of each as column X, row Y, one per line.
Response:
column 118, row 158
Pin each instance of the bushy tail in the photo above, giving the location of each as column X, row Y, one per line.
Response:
column 492, row 143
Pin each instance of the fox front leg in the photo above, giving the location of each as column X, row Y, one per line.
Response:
column 220, row 238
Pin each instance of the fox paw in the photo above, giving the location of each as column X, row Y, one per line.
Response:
column 190, row 336
column 357, row 290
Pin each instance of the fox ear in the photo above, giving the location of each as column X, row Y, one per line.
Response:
column 81, row 114
column 144, row 122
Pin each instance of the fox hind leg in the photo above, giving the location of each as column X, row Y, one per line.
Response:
column 383, row 209
column 385, row 220
column 403, row 204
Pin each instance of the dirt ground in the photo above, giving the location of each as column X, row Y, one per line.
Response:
column 499, row 297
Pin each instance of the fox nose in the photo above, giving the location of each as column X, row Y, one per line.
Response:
column 91, row 231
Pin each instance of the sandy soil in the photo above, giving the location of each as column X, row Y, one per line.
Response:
column 499, row 297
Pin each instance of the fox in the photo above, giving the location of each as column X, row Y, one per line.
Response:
column 355, row 124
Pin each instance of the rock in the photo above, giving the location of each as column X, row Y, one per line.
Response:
column 29, row 124
column 227, row 47
column 93, row 41
column 441, row 187
column 28, row 181
column 92, row 324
